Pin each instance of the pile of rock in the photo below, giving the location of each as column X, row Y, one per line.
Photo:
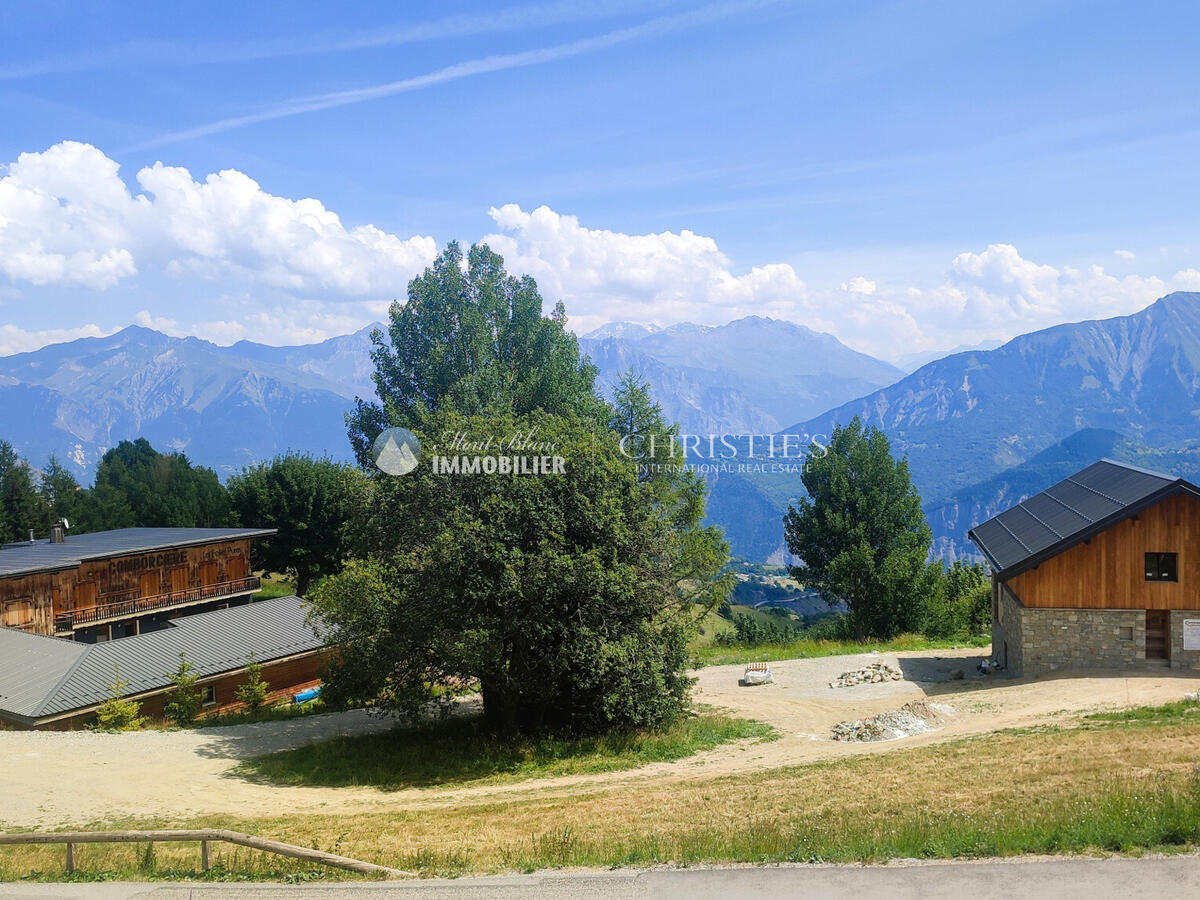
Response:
column 872, row 674
column 911, row 718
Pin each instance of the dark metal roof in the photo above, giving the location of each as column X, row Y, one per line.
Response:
column 44, row 676
column 1069, row 513
column 43, row 556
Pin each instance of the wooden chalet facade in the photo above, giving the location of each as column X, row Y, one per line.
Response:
column 1101, row 570
column 76, row 610
column 106, row 585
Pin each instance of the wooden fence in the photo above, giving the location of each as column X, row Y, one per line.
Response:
column 205, row 836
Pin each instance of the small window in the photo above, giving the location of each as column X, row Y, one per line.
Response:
column 18, row 613
column 1161, row 567
column 210, row 695
column 1126, row 633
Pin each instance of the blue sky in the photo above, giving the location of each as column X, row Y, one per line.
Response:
column 907, row 176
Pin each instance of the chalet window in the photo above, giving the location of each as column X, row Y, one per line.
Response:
column 1162, row 567
column 210, row 695
column 18, row 613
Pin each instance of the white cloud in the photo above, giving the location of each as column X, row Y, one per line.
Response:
column 997, row 294
column 609, row 276
column 18, row 340
column 264, row 267
column 64, row 219
column 67, row 218
column 1127, row 255
column 994, row 293
column 858, row 285
column 1186, row 280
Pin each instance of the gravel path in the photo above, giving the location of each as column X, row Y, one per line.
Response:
column 60, row 778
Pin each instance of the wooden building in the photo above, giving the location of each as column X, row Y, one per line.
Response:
column 76, row 609
column 111, row 584
column 1101, row 570
column 51, row 683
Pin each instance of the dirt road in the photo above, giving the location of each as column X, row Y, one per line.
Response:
column 50, row 778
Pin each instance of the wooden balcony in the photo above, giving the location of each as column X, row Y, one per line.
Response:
column 137, row 606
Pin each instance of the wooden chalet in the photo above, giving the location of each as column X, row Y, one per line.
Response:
column 75, row 609
column 112, row 584
column 1101, row 570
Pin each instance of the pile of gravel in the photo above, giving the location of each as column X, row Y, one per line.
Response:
column 872, row 674
column 912, row 718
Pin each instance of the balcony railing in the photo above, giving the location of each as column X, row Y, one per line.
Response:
column 136, row 606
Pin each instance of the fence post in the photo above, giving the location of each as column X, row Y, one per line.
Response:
column 70, row 858
column 205, row 863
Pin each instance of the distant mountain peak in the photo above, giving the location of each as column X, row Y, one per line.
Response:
column 630, row 331
column 964, row 418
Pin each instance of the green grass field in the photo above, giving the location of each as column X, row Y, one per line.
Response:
column 458, row 751
column 1119, row 782
column 715, row 655
column 275, row 586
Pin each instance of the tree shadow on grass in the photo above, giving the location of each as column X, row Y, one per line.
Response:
column 461, row 750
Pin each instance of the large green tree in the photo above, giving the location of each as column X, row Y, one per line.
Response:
column 60, row 492
column 136, row 486
column 472, row 339
column 317, row 505
column 556, row 593
column 650, row 441
column 22, row 508
column 861, row 534
column 567, row 597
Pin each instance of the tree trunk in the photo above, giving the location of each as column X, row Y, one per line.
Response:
column 499, row 707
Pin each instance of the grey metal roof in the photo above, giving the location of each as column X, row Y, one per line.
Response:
column 1070, row 512
column 30, row 665
column 43, row 556
column 43, row 676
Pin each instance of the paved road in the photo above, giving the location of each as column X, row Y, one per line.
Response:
column 1065, row 879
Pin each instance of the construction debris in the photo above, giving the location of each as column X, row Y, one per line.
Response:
column 912, row 718
column 872, row 674
column 757, row 673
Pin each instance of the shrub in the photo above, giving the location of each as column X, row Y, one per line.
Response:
column 961, row 604
column 253, row 691
column 117, row 713
column 185, row 699
column 836, row 627
column 750, row 631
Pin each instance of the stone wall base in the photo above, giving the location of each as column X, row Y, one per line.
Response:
column 1034, row 641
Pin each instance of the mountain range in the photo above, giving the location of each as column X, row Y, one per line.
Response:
column 981, row 428
column 751, row 375
column 994, row 423
column 226, row 407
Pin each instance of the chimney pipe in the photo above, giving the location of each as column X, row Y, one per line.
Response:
column 57, row 534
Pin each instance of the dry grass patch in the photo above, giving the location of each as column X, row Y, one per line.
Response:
column 1119, row 785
